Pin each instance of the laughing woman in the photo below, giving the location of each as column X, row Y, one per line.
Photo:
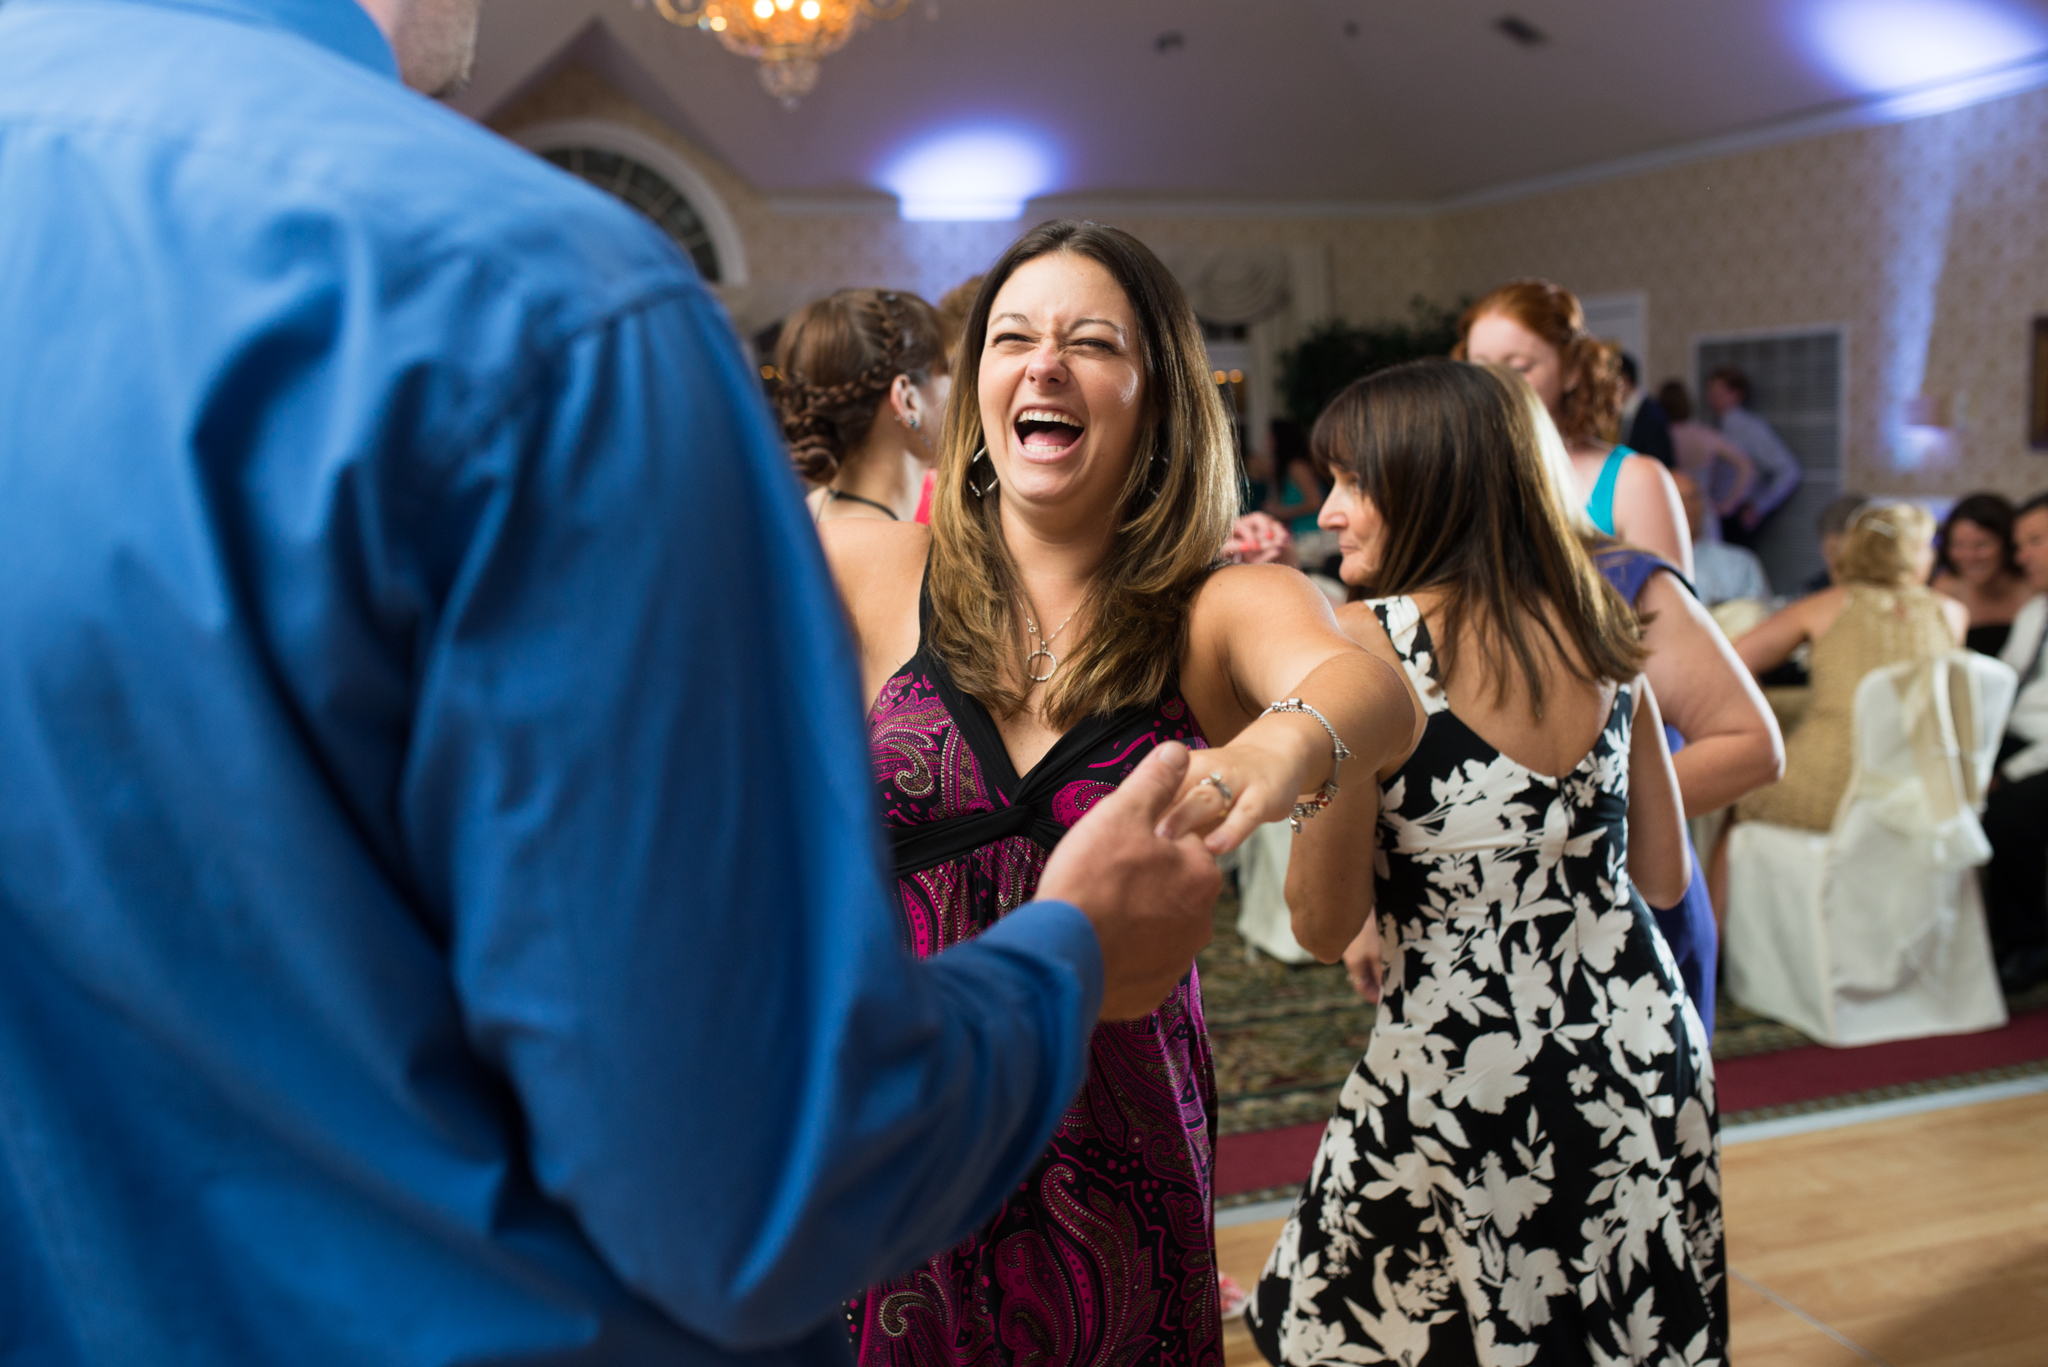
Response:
column 1063, row 615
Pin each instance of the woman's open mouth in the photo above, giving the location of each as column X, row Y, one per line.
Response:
column 1047, row 431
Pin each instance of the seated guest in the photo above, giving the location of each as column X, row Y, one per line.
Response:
column 1831, row 526
column 1645, row 426
column 1717, row 464
column 2016, row 808
column 1538, row 330
column 1720, row 572
column 848, row 362
column 1882, row 613
column 1974, row 564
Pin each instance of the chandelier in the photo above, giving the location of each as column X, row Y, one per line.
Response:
column 787, row 37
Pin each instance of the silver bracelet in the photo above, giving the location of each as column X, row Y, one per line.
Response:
column 1311, row 806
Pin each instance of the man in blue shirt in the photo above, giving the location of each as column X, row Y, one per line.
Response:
column 440, row 912
column 1778, row 472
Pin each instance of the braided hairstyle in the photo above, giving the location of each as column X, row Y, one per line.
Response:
column 836, row 360
column 1591, row 410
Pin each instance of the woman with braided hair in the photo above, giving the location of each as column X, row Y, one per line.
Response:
column 864, row 379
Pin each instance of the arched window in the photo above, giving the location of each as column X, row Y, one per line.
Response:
column 653, row 179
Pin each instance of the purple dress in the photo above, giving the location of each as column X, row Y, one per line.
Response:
column 1106, row 1251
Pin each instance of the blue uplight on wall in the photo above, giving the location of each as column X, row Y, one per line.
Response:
column 1892, row 45
column 971, row 173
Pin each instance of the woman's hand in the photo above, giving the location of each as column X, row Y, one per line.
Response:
column 1363, row 962
column 1256, row 782
column 1257, row 539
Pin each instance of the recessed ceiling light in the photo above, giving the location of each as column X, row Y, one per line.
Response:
column 1521, row 30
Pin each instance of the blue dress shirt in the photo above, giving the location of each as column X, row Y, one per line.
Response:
column 440, row 907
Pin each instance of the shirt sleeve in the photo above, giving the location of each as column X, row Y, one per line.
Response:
column 1778, row 471
column 638, row 792
column 2027, row 625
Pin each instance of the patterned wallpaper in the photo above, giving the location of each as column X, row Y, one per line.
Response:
column 1924, row 240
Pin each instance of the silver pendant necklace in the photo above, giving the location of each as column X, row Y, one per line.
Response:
column 1044, row 647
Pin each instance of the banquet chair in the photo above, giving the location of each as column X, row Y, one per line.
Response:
column 1875, row 929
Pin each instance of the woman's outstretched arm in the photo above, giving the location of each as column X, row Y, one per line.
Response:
column 1260, row 634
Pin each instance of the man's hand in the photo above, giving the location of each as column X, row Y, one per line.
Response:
column 1150, row 898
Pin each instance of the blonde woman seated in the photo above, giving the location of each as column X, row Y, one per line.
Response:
column 1879, row 613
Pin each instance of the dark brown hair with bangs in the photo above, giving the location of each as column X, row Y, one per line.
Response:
column 1449, row 454
column 1173, row 512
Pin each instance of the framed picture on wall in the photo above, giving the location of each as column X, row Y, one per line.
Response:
column 2037, row 407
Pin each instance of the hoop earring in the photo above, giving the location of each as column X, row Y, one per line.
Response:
column 984, row 490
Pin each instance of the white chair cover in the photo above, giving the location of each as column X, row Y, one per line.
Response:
column 1875, row 930
column 1262, row 916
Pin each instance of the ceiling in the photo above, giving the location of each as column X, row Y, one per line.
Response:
column 1377, row 101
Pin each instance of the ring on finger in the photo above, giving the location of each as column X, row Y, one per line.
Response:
column 1215, row 780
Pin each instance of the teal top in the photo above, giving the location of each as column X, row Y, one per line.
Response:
column 1600, row 507
column 1291, row 493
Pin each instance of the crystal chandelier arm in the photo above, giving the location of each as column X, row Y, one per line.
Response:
column 685, row 15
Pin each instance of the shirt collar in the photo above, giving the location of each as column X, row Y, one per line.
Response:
column 341, row 26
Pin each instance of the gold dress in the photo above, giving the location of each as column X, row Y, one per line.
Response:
column 1878, row 627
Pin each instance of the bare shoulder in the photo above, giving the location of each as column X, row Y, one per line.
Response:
column 1362, row 624
column 1236, row 590
column 1957, row 614
column 866, row 552
column 1645, row 468
column 1647, row 474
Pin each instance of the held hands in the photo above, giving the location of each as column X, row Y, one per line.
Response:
column 1148, row 894
column 1259, row 782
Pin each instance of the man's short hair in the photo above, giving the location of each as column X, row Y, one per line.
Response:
column 2037, row 504
column 1629, row 371
column 1836, row 517
column 1733, row 377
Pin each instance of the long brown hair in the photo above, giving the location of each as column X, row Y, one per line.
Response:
column 1591, row 369
column 1173, row 512
column 836, row 360
column 1449, row 454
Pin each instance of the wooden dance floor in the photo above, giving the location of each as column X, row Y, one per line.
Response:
column 1915, row 1241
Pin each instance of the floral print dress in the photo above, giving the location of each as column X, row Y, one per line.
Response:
column 1524, row 1167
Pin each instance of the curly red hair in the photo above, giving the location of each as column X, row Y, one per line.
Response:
column 1590, row 412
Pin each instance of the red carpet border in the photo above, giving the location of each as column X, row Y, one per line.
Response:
column 1273, row 1163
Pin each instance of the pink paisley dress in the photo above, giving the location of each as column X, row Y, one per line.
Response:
column 1105, row 1254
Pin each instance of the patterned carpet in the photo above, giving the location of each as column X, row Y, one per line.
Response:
column 1286, row 1038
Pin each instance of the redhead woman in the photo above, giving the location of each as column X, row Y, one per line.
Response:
column 1538, row 330
column 1064, row 614
column 1523, row 1168
column 863, row 385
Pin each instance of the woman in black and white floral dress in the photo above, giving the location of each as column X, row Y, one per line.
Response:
column 1524, row 1167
